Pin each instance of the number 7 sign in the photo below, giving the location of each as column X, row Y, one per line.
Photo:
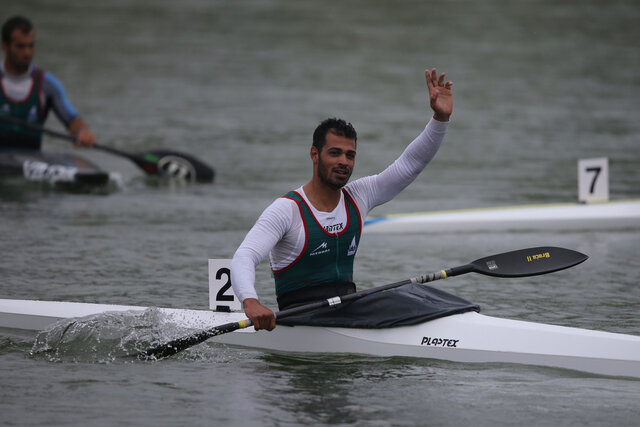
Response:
column 593, row 180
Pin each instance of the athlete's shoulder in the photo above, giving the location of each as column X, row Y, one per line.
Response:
column 34, row 70
column 51, row 82
column 281, row 205
column 361, row 186
column 292, row 195
column 362, row 191
column 279, row 215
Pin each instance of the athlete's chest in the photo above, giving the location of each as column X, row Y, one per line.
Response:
column 332, row 222
column 16, row 89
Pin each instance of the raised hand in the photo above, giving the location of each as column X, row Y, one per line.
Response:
column 440, row 97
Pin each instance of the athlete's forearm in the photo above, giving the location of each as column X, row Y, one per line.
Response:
column 84, row 136
column 76, row 126
column 378, row 189
column 243, row 274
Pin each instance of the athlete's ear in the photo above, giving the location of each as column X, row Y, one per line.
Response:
column 314, row 154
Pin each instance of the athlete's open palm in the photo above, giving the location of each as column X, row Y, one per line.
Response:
column 440, row 97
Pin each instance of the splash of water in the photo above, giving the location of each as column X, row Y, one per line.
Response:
column 106, row 337
column 103, row 337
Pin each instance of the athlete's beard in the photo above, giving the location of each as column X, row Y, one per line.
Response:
column 19, row 65
column 323, row 174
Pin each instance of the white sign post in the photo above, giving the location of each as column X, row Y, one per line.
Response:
column 221, row 296
column 593, row 180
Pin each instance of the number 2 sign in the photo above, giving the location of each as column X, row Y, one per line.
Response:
column 221, row 296
column 593, row 180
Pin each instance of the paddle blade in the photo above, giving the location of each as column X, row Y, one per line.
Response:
column 169, row 349
column 528, row 262
column 174, row 164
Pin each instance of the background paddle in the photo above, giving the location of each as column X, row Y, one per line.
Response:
column 159, row 162
column 519, row 263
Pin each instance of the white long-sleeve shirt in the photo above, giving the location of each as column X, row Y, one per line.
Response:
column 279, row 231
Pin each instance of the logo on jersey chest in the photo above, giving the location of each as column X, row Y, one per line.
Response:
column 322, row 249
column 353, row 247
column 334, row 228
column 33, row 114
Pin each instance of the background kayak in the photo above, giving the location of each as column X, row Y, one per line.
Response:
column 57, row 169
column 614, row 215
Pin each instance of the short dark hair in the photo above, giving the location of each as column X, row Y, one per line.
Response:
column 335, row 126
column 19, row 22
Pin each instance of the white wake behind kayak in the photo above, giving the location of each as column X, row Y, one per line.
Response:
column 623, row 214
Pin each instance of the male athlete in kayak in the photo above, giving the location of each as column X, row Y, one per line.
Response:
column 312, row 233
column 29, row 93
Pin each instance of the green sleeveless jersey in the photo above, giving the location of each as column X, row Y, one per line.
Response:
column 326, row 257
column 29, row 110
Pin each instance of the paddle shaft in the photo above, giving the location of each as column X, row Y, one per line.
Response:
column 60, row 135
column 520, row 263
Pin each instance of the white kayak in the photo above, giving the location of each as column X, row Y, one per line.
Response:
column 468, row 337
column 622, row 214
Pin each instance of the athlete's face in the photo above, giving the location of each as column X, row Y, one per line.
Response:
column 334, row 163
column 19, row 52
